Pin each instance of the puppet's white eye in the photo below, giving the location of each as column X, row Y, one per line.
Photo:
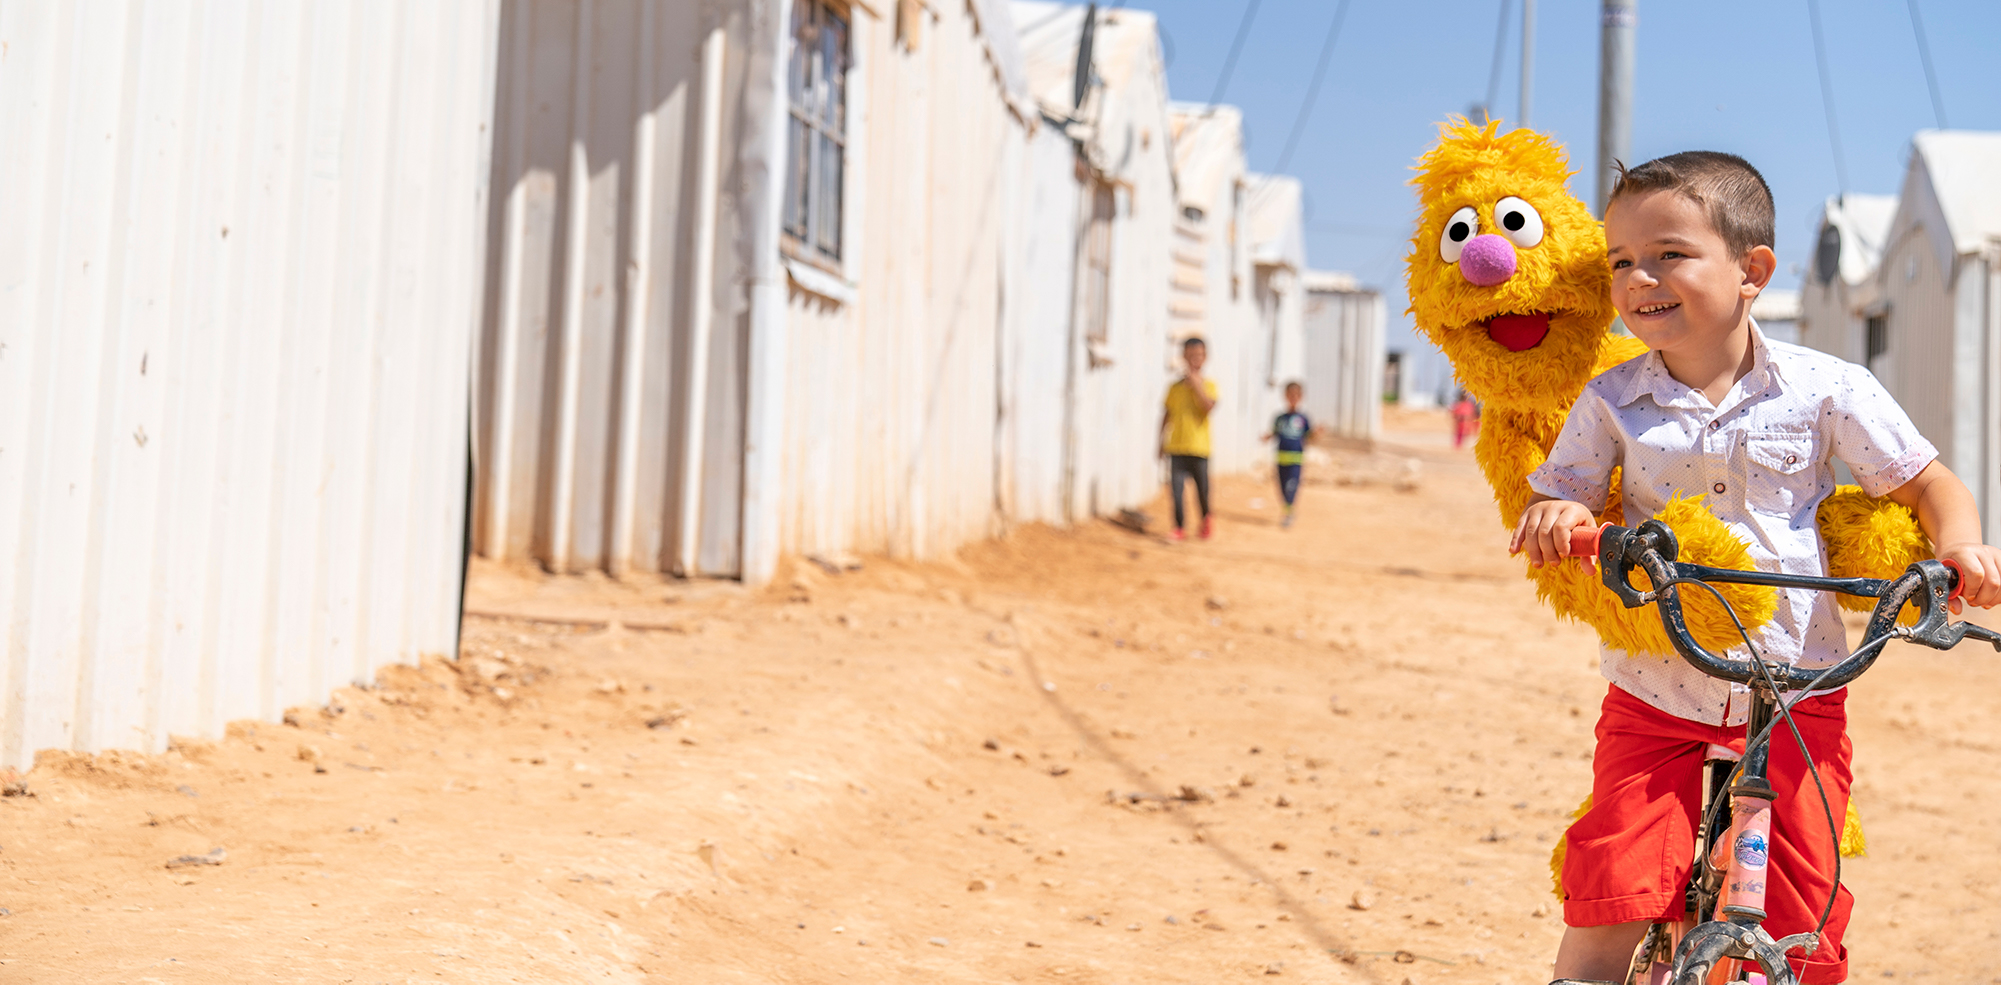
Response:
column 1461, row 228
column 1519, row 221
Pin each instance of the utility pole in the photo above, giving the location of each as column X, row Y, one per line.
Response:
column 1616, row 44
column 1528, row 60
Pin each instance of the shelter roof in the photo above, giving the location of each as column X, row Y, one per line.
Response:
column 1332, row 282
column 1277, row 226
column 1863, row 222
column 1962, row 166
column 1208, row 152
column 1004, row 50
column 1776, row 304
column 1118, row 117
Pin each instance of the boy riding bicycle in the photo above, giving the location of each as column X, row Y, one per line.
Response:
column 1752, row 425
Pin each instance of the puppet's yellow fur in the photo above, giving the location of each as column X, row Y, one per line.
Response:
column 1527, row 394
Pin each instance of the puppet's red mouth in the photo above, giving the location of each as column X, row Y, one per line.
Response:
column 1518, row 333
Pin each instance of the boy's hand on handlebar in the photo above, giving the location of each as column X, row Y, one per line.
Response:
column 1544, row 531
column 1979, row 573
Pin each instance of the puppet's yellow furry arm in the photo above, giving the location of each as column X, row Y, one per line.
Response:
column 1867, row 537
column 1515, row 443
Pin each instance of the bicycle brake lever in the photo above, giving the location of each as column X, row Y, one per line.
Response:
column 1980, row 633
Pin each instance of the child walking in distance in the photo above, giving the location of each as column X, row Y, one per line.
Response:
column 1186, row 427
column 1291, row 429
column 1714, row 408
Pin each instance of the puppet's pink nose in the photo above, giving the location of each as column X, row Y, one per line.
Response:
column 1487, row 260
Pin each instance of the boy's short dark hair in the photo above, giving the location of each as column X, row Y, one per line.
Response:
column 1294, row 385
column 1193, row 340
column 1729, row 189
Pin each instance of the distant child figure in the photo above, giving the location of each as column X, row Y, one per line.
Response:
column 1186, row 427
column 1465, row 419
column 1291, row 429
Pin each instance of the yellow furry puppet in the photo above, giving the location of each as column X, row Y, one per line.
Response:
column 1526, row 328
column 1526, row 333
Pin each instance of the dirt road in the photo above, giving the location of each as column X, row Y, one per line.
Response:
column 1339, row 753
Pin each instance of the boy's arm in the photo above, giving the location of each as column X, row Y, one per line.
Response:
column 1160, row 436
column 1200, row 389
column 1947, row 512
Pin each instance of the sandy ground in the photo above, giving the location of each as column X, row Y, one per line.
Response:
column 1338, row 753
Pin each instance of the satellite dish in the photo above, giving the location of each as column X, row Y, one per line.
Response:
column 1827, row 256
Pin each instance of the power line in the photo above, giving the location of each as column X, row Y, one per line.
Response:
column 1230, row 62
column 1494, row 71
column 1827, row 95
column 1313, row 89
column 1925, row 55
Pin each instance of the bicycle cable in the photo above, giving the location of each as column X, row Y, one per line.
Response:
column 1763, row 737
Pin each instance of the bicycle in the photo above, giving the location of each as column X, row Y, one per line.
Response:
column 1727, row 880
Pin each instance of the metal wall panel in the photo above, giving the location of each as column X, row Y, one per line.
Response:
column 1344, row 359
column 236, row 298
column 607, row 113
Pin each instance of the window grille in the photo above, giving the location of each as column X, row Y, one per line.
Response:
column 1098, row 264
column 817, row 141
column 1876, row 339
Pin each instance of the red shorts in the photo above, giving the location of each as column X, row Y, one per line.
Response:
column 1628, row 858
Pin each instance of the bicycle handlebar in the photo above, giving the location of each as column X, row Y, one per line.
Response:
column 1584, row 543
column 1652, row 548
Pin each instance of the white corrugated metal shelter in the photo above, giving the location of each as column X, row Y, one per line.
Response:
column 1929, row 310
column 238, row 285
column 1841, row 285
column 804, row 202
column 1081, row 370
column 1344, row 356
column 1211, row 277
column 1276, row 227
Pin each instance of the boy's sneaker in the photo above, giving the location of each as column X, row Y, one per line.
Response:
column 1287, row 522
column 1208, row 527
column 1176, row 535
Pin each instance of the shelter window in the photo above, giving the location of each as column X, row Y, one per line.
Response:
column 1098, row 265
column 1875, row 339
column 818, row 125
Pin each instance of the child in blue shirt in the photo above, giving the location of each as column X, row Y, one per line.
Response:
column 1291, row 429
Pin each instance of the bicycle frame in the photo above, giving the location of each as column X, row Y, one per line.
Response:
column 1728, row 880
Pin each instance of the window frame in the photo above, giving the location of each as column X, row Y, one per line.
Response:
column 813, row 220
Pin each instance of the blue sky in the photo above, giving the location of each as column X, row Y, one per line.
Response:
column 1735, row 76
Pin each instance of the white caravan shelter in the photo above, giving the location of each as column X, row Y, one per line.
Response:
column 1344, row 356
column 1929, row 313
column 1277, row 346
column 1212, row 294
column 1087, row 279
column 238, row 283
column 1836, row 292
column 747, row 281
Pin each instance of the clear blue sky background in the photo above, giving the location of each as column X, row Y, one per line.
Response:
column 1731, row 75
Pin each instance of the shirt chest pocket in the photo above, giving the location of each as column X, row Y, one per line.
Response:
column 1782, row 478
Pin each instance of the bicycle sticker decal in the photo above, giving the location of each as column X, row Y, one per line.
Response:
column 1751, row 850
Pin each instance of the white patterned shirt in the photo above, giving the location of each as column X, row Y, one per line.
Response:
column 1761, row 460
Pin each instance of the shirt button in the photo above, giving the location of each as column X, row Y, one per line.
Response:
column 1718, row 487
column 1713, row 425
column 1791, row 459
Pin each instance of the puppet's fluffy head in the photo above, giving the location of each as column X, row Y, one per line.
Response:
column 1507, row 269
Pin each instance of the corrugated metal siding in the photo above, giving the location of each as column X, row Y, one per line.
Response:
column 585, row 351
column 1344, row 362
column 1917, row 368
column 891, row 401
column 236, row 297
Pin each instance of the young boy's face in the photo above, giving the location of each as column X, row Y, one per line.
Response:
column 1675, row 284
column 1195, row 355
column 1292, row 395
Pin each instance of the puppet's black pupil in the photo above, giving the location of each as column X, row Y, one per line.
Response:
column 1459, row 231
column 1514, row 221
